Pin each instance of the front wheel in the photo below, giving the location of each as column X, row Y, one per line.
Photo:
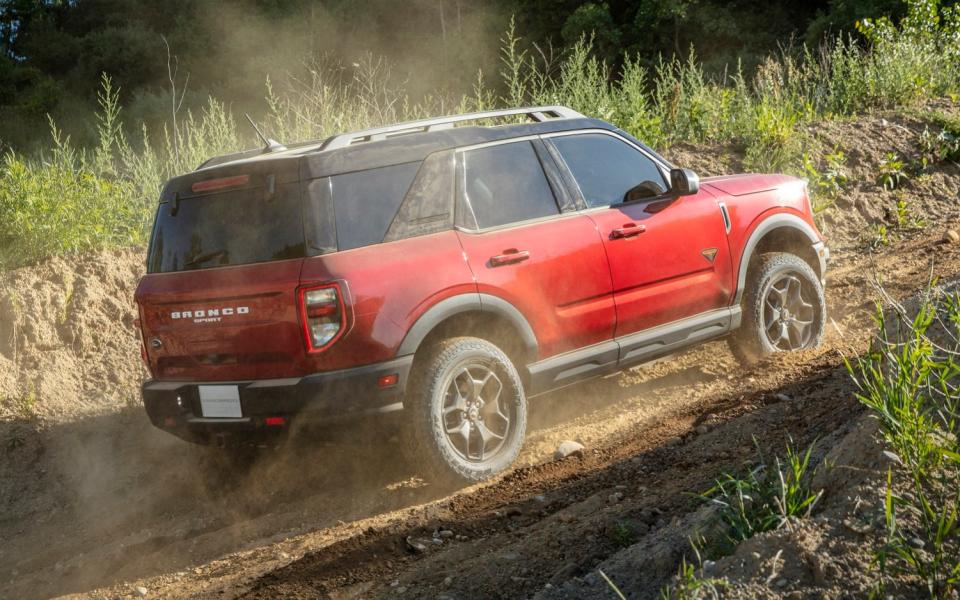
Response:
column 783, row 309
column 467, row 411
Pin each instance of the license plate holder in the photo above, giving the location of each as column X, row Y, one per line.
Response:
column 220, row 401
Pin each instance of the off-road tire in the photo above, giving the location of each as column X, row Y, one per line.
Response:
column 424, row 439
column 750, row 342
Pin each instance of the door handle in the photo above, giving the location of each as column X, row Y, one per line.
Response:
column 628, row 230
column 509, row 257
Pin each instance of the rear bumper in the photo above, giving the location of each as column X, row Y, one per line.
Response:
column 174, row 406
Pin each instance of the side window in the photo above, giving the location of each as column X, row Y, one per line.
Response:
column 365, row 203
column 505, row 184
column 606, row 168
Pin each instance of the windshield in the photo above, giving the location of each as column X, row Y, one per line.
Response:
column 230, row 228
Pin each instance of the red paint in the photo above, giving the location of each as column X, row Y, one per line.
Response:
column 562, row 287
column 655, row 253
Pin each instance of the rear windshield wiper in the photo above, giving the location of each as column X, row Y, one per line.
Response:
column 205, row 257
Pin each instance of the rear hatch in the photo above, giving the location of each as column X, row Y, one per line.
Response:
column 219, row 301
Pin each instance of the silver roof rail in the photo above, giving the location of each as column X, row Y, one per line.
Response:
column 537, row 113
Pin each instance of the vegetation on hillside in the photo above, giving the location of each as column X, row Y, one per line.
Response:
column 69, row 199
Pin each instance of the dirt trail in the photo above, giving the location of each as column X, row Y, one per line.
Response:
column 104, row 502
column 339, row 525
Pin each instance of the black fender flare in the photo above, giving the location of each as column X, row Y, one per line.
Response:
column 463, row 303
column 765, row 226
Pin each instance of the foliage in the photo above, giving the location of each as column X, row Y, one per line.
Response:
column 891, row 172
column 827, row 184
column 909, row 382
column 76, row 197
column 766, row 497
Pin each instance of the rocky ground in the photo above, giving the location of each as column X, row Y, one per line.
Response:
column 95, row 501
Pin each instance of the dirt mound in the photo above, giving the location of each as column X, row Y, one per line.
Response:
column 68, row 347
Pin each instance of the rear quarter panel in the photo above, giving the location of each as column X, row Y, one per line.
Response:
column 389, row 286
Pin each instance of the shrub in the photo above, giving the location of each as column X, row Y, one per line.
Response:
column 910, row 384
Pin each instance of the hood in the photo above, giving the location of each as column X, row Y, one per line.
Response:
column 741, row 185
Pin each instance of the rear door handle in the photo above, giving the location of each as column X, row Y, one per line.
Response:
column 628, row 230
column 509, row 257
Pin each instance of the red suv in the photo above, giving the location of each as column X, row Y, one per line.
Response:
column 453, row 273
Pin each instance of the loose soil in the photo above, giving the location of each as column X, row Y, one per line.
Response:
column 95, row 501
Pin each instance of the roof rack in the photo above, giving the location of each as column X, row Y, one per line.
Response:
column 536, row 113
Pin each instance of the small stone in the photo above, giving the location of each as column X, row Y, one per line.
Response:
column 568, row 448
column 511, row 556
column 755, row 555
column 445, row 534
column 416, row 545
column 140, row 591
column 781, row 583
column 709, row 566
column 395, row 583
column 540, row 498
column 461, row 538
column 951, row 237
column 782, row 397
column 917, row 543
column 615, row 497
column 448, row 581
column 513, row 511
column 566, row 518
column 702, row 429
column 402, row 589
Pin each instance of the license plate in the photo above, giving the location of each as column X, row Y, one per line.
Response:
column 220, row 401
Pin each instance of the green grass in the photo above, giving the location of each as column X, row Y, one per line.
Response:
column 765, row 498
column 910, row 383
column 70, row 199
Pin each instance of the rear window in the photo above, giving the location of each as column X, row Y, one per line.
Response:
column 229, row 228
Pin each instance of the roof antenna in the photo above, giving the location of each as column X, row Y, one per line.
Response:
column 271, row 144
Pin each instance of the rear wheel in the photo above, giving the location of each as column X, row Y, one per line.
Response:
column 467, row 411
column 783, row 309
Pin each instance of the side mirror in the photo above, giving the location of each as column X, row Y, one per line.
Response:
column 642, row 191
column 684, row 182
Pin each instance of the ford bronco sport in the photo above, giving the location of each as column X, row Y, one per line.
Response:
column 454, row 272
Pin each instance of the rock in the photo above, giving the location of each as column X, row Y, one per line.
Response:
column 566, row 518
column 702, row 429
column 416, row 545
column 511, row 556
column 917, row 543
column 951, row 237
column 781, row 583
column 568, row 448
column 782, row 397
column 395, row 583
column 615, row 497
column 540, row 498
column 445, row 534
column 140, row 591
column 709, row 566
column 448, row 581
column 513, row 511
column 461, row 538
column 402, row 589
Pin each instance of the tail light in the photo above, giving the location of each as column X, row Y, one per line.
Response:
column 323, row 315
